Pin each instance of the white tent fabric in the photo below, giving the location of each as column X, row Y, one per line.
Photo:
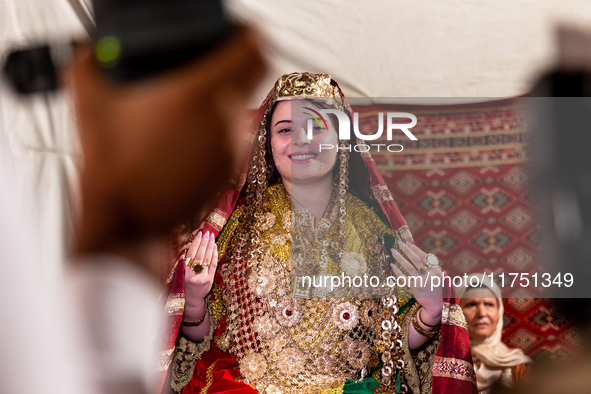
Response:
column 430, row 48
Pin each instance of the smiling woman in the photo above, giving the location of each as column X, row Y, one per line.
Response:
column 298, row 158
column 258, row 330
column 494, row 362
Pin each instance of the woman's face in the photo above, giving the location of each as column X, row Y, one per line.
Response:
column 481, row 309
column 297, row 158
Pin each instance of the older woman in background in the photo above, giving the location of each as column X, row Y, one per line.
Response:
column 493, row 360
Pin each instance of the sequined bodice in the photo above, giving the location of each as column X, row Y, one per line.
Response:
column 298, row 344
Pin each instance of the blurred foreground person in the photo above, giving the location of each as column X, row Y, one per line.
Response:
column 260, row 329
column 570, row 377
column 494, row 362
column 561, row 114
column 155, row 152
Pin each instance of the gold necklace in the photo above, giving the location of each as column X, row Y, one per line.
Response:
column 306, row 219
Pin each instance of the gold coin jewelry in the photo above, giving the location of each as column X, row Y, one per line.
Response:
column 423, row 270
column 431, row 260
column 197, row 267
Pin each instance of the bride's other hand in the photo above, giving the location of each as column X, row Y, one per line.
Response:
column 203, row 251
column 430, row 299
column 200, row 262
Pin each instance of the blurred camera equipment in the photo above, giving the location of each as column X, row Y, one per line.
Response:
column 133, row 39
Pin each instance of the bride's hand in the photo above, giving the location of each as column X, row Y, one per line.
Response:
column 430, row 299
column 204, row 251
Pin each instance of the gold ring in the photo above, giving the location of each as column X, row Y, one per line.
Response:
column 188, row 261
column 197, row 267
column 431, row 260
column 423, row 270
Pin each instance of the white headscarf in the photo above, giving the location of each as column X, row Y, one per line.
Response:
column 492, row 357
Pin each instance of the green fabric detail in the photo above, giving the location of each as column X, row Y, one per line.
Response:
column 363, row 387
column 367, row 385
column 389, row 243
column 406, row 306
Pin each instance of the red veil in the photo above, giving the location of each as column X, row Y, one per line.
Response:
column 452, row 370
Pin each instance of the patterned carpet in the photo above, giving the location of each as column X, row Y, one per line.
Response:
column 463, row 189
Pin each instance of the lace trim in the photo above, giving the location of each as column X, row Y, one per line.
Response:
column 186, row 354
column 418, row 368
column 183, row 364
column 410, row 371
column 424, row 361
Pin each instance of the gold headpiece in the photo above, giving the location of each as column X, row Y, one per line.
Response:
column 307, row 85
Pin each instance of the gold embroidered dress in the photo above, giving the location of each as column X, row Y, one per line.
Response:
column 294, row 345
column 270, row 335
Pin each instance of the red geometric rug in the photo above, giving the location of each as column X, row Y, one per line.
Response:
column 463, row 189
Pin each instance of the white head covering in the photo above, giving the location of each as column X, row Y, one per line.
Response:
column 492, row 357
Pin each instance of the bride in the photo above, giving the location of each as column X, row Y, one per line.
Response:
column 248, row 324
